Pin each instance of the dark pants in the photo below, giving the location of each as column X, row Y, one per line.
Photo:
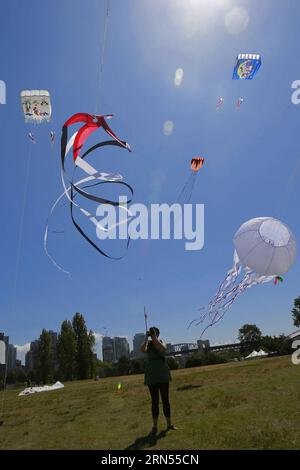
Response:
column 164, row 393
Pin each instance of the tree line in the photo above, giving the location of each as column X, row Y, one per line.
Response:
column 73, row 357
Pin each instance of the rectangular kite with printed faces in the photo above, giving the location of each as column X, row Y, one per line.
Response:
column 246, row 66
column 36, row 106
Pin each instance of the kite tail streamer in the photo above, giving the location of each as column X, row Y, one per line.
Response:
column 94, row 178
column 230, row 289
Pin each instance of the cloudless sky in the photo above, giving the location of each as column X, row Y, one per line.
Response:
column 251, row 155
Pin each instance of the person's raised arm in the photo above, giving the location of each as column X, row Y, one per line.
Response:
column 159, row 345
column 145, row 343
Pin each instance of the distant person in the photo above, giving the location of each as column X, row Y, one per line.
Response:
column 157, row 376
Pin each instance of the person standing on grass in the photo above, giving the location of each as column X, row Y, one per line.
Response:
column 157, row 376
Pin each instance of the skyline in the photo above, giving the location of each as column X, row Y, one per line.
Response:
column 163, row 73
column 22, row 349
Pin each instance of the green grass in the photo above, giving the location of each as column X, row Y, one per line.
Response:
column 250, row 405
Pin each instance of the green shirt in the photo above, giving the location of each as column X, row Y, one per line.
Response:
column 156, row 367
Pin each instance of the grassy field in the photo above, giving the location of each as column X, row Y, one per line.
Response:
column 250, row 405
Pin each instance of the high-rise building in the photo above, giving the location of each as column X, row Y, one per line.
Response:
column 108, row 349
column 10, row 352
column 121, row 347
column 203, row 345
column 138, row 340
column 30, row 355
column 11, row 357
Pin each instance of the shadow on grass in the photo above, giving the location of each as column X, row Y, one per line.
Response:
column 146, row 441
column 187, row 387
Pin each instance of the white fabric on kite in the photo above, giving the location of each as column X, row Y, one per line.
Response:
column 36, row 106
column 2, row 352
column 264, row 248
column 45, row 388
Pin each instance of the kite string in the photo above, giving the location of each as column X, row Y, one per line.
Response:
column 16, row 274
column 186, row 192
column 104, row 40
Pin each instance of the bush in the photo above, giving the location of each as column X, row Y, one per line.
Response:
column 172, row 363
column 197, row 359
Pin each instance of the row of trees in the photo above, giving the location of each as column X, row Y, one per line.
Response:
column 250, row 338
column 126, row 366
column 72, row 358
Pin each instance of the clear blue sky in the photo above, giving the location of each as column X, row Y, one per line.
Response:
column 250, row 156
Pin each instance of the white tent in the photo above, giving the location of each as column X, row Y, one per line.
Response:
column 253, row 354
column 45, row 388
column 262, row 353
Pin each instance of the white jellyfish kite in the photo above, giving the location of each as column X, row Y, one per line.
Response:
column 265, row 248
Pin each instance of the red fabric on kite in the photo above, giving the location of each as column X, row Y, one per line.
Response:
column 92, row 123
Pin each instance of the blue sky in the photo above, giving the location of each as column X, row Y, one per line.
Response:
column 250, row 156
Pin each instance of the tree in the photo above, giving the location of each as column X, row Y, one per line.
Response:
column 296, row 312
column 250, row 338
column 273, row 343
column 194, row 360
column 44, row 357
column 105, row 369
column 83, row 347
column 66, row 350
column 197, row 359
column 286, row 347
column 137, row 366
column 172, row 363
column 123, row 365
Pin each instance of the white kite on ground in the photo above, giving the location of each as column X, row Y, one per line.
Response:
column 45, row 388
